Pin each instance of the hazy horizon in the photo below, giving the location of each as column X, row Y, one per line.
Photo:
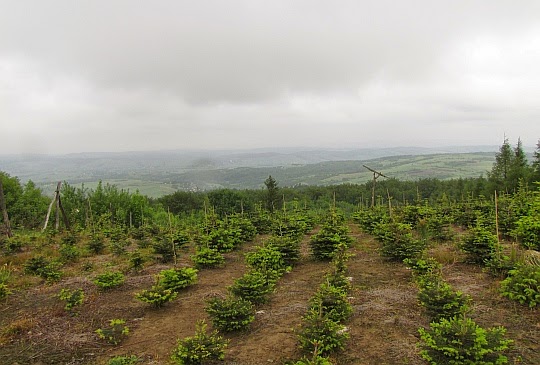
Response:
column 91, row 76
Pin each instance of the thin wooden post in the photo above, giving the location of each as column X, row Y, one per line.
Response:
column 4, row 210
column 376, row 175
column 172, row 238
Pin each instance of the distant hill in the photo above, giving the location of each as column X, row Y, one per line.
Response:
column 159, row 173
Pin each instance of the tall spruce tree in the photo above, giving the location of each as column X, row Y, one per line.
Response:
column 535, row 173
column 499, row 175
column 519, row 168
column 271, row 193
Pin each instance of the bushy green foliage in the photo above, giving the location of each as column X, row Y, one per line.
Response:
column 4, row 291
column 119, row 247
column 220, row 239
column 109, row 279
column 422, row 266
column 13, row 245
column 136, row 260
column 206, row 257
column 288, row 247
column 253, row 286
column 480, row 244
column 320, row 331
column 201, row 348
column 230, row 314
column 267, row 259
column 124, row 360
column 73, row 298
column 527, row 227
column 369, row 219
column 439, row 299
column 332, row 234
column 40, row 266
column 168, row 245
column 177, row 278
column 461, row 341
column 331, row 302
column 397, row 241
column 290, row 226
column 115, row 333
column 96, row 245
column 69, row 253
column 244, row 226
column 316, row 359
column 157, row 296
column 523, row 285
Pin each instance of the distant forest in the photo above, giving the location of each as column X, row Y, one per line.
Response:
column 27, row 206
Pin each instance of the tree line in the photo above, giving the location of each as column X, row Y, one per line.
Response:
column 27, row 206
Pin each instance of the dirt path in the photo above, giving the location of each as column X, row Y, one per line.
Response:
column 271, row 337
column 386, row 316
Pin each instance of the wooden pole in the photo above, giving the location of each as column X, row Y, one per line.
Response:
column 376, row 175
column 4, row 210
column 49, row 212
column 57, row 212
column 172, row 238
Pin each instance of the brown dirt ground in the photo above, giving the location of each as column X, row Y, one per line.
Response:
column 383, row 328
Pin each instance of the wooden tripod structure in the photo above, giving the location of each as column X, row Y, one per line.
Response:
column 59, row 208
column 376, row 175
column 5, row 215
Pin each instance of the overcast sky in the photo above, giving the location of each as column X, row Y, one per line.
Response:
column 146, row 75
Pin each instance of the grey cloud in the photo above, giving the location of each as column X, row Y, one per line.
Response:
column 214, row 72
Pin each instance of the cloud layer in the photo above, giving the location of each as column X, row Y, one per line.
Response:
column 136, row 75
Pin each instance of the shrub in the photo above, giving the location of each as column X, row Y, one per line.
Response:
column 331, row 302
column 115, row 333
column 221, row 239
column 69, row 253
column 200, row 348
column 422, row 266
column 206, row 257
column 73, row 298
column 316, row 359
column 157, row 296
column 325, row 243
column 247, row 230
column 119, row 247
column 109, row 280
column 230, row 314
column 321, row 331
column 523, row 285
column 439, row 300
column 43, row 268
column 4, row 291
column 35, row 264
column 96, row 245
column 268, row 260
column 136, row 260
column 461, row 341
column 288, row 247
column 13, row 245
column 253, row 286
column 397, row 241
column 177, row 278
column 167, row 246
column 480, row 244
column 528, row 229
column 124, row 360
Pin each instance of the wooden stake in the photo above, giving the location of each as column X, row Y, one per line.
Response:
column 4, row 210
column 172, row 239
